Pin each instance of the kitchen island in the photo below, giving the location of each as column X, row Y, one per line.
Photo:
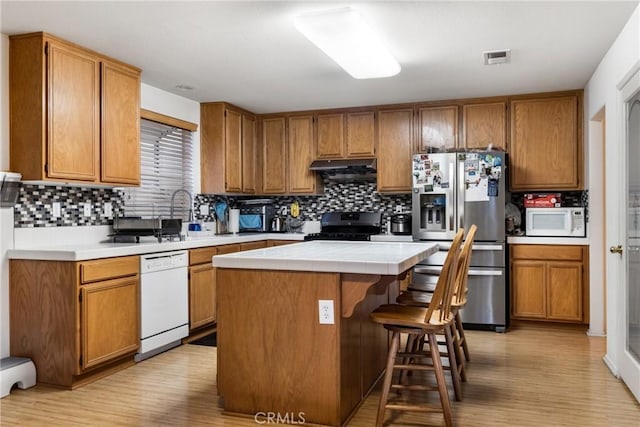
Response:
column 274, row 355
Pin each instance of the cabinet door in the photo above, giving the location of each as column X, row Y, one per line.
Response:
column 120, row 130
column 73, row 120
column 395, row 148
column 330, row 141
column 274, row 156
column 202, row 295
column 249, row 153
column 528, row 289
column 301, row 152
column 233, row 151
column 438, row 129
column 484, row 125
column 253, row 245
column 361, row 134
column 109, row 320
column 545, row 149
column 564, row 291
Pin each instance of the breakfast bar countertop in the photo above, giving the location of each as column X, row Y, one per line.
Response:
column 387, row 258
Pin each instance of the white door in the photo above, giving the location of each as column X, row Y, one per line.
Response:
column 629, row 292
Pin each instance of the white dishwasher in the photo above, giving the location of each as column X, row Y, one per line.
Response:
column 164, row 304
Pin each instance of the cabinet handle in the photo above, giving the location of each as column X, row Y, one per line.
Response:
column 616, row 249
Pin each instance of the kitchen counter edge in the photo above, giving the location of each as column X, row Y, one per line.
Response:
column 110, row 250
column 530, row 240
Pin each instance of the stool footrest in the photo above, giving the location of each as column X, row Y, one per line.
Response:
column 416, row 408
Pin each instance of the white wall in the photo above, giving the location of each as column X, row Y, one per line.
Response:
column 159, row 101
column 601, row 91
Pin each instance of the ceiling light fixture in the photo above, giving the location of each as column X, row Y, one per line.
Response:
column 347, row 39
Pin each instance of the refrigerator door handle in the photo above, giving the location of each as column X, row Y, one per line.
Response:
column 487, row 248
column 485, row 272
column 428, row 270
column 449, row 203
column 461, row 194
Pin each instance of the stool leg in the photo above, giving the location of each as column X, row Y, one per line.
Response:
column 453, row 364
column 411, row 343
column 388, row 374
column 442, row 384
column 459, row 356
column 463, row 339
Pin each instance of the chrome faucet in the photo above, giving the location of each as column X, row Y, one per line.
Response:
column 173, row 196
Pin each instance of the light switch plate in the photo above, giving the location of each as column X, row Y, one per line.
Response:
column 204, row 209
column 107, row 210
column 55, row 208
column 86, row 208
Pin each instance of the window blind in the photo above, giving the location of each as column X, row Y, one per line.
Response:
column 166, row 165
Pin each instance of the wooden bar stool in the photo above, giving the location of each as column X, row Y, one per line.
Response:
column 422, row 298
column 418, row 322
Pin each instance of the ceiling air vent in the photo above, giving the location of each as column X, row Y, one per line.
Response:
column 492, row 57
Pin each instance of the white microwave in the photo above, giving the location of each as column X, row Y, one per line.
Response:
column 555, row 222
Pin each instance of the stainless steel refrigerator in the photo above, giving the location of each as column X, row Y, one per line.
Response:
column 453, row 190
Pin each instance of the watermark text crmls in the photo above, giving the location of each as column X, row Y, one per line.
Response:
column 291, row 418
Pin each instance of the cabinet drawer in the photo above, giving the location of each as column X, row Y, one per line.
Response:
column 110, row 268
column 545, row 252
column 253, row 245
column 227, row 249
column 202, row 255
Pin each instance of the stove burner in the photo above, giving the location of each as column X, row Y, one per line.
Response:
column 353, row 226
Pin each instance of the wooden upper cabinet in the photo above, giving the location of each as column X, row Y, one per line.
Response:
column 75, row 114
column 361, row 134
column 438, row 129
column 120, row 133
column 346, row 135
column 484, row 125
column 546, row 143
column 233, row 151
column 395, row 148
column 227, row 149
column 330, row 142
column 301, row 151
column 249, row 154
column 274, row 155
column 73, row 92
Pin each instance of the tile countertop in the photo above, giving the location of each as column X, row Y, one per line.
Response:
column 387, row 258
column 82, row 252
column 529, row 240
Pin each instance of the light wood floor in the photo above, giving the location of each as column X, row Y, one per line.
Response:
column 530, row 376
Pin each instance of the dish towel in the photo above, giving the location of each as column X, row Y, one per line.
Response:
column 221, row 211
column 250, row 222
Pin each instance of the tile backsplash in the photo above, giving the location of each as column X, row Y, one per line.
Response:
column 357, row 197
column 34, row 206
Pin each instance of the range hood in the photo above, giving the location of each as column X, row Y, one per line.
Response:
column 346, row 170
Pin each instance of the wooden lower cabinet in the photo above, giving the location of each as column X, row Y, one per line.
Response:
column 550, row 282
column 202, row 284
column 77, row 321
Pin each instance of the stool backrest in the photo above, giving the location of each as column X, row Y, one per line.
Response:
column 462, row 274
column 445, row 287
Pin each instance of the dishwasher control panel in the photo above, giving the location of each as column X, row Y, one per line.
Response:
column 163, row 261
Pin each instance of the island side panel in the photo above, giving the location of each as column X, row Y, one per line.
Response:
column 273, row 355
column 364, row 348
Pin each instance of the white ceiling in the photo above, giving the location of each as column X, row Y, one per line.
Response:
column 250, row 54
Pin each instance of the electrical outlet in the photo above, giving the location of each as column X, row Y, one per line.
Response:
column 398, row 208
column 87, row 209
column 325, row 309
column 107, row 210
column 204, row 209
column 55, row 208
